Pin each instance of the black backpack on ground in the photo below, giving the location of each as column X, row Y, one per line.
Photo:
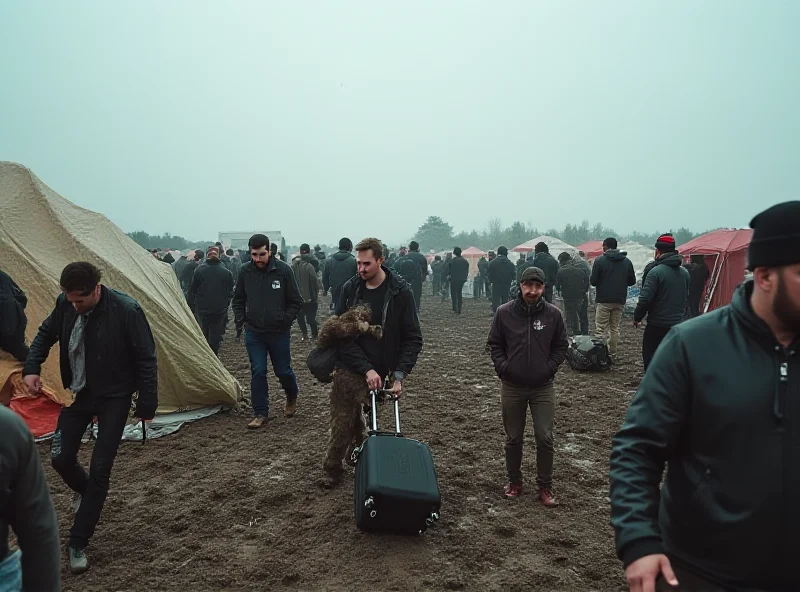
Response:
column 588, row 353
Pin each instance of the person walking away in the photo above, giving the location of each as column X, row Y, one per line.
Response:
column 698, row 277
column 266, row 302
column 480, row 281
column 663, row 298
column 25, row 507
column 179, row 266
column 548, row 264
column 612, row 274
column 107, row 353
column 459, row 273
column 308, row 284
column 419, row 259
column 210, row 297
column 188, row 271
column 448, row 259
column 572, row 282
column 234, row 263
column 409, row 270
column 719, row 406
column 528, row 342
column 393, row 355
column 340, row 267
column 583, row 312
column 13, row 320
column 501, row 274
column 488, row 284
column 524, row 262
column 436, row 270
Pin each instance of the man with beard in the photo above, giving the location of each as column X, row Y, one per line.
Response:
column 528, row 342
column 663, row 297
column 719, row 405
column 266, row 302
column 210, row 296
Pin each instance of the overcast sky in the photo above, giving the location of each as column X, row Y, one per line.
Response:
column 323, row 119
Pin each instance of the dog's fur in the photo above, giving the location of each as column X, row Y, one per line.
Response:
column 347, row 326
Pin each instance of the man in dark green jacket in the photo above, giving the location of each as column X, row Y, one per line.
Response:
column 422, row 263
column 459, row 273
column 437, row 267
column 720, row 406
column 663, row 298
column 339, row 268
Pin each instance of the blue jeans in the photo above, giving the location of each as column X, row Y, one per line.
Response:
column 276, row 345
column 11, row 572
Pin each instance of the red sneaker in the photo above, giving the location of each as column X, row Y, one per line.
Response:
column 513, row 490
column 547, row 497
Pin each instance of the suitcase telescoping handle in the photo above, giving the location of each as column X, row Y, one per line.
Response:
column 388, row 393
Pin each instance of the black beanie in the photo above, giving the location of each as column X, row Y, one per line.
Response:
column 776, row 236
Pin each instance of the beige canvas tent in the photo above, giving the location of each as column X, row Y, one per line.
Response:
column 41, row 232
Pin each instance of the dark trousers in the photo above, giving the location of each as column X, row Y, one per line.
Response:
column 687, row 582
column 276, row 346
column 653, row 336
column 308, row 313
column 112, row 414
column 488, row 288
column 437, row 285
column 335, row 291
column 583, row 314
column 445, row 289
column 416, row 289
column 515, row 401
column 477, row 287
column 572, row 313
column 14, row 343
column 213, row 327
column 456, row 293
column 499, row 295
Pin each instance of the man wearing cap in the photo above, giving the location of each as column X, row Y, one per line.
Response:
column 528, row 342
column 664, row 297
column 719, row 405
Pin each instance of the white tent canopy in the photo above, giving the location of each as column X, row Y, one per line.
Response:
column 556, row 246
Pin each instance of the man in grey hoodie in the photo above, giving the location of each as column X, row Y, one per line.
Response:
column 664, row 297
column 612, row 274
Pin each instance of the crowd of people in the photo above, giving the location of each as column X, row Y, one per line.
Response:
column 717, row 402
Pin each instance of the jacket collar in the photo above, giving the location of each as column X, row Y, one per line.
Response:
column 527, row 310
column 743, row 311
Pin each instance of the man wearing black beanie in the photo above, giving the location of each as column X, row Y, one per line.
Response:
column 719, row 404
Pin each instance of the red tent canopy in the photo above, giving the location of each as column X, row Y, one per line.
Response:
column 725, row 254
column 592, row 249
column 473, row 252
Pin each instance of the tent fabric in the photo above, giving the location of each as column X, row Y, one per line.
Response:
column 555, row 245
column 725, row 254
column 591, row 249
column 41, row 232
column 473, row 252
column 639, row 256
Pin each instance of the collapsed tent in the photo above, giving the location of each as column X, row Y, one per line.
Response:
column 41, row 232
column 725, row 254
column 556, row 246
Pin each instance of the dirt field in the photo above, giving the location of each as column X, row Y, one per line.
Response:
column 218, row 507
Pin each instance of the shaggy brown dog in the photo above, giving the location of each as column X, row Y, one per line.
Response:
column 349, row 391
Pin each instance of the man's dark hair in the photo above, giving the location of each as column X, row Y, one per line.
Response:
column 345, row 244
column 305, row 249
column 437, row 258
column 610, row 243
column 413, row 246
column 457, row 251
column 541, row 248
column 371, row 244
column 80, row 277
column 257, row 241
column 502, row 250
column 229, row 252
column 199, row 253
column 219, row 244
column 563, row 257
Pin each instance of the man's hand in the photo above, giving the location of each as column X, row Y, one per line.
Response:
column 374, row 380
column 397, row 388
column 637, row 324
column 642, row 573
column 34, row 383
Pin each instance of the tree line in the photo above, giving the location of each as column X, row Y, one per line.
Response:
column 438, row 235
column 167, row 241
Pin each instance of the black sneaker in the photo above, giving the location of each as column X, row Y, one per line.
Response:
column 78, row 562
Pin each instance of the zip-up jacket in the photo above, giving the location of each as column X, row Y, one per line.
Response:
column 528, row 343
column 306, row 278
column 665, row 293
column 720, row 405
column 501, row 271
column 549, row 265
column 211, row 288
column 339, row 268
column 459, row 269
column 572, row 281
column 402, row 336
column 120, row 351
column 420, row 260
column 266, row 300
column 612, row 273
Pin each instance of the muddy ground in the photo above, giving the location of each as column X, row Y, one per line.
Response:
column 219, row 507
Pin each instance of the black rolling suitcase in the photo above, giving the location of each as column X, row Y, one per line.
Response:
column 396, row 489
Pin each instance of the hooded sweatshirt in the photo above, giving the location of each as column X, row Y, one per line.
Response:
column 339, row 268
column 665, row 292
column 612, row 273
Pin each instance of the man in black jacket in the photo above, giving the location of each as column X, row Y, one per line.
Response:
column 266, row 302
column 437, row 267
column 719, row 405
column 339, row 268
column 698, row 277
column 422, row 262
column 572, row 282
column 26, row 507
column 107, row 353
column 612, row 274
column 528, row 343
column 663, row 297
column 12, row 318
column 459, row 273
column 393, row 355
column 210, row 296
column 548, row 264
column 502, row 274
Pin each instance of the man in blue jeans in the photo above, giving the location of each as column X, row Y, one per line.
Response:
column 265, row 303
